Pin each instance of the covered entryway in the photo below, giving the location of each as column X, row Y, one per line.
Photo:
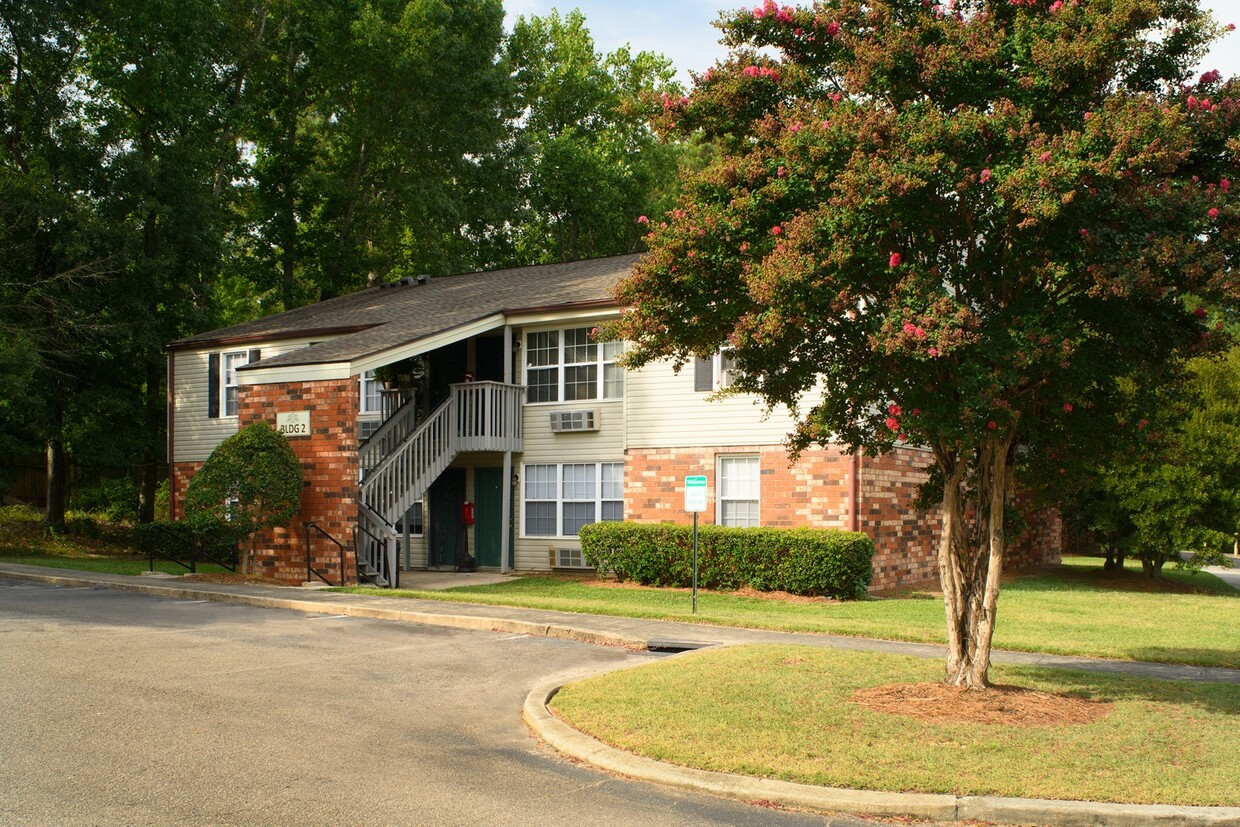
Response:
column 445, row 532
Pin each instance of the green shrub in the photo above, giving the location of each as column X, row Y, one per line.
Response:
column 172, row 539
column 808, row 561
column 20, row 513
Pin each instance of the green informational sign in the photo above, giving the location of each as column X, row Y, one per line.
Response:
column 695, row 493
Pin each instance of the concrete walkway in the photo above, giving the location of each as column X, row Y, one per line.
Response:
column 654, row 634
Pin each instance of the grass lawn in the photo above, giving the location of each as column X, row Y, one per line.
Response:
column 1073, row 610
column 785, row 712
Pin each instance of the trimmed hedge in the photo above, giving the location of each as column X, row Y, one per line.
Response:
column 219, row 540
column 808, row 561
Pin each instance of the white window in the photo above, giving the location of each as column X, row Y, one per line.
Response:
column 568, row 365
column 560, row 498
column 228, row 388
column 715, row 373
column 739, row 477
column 417, row 520
column 372, row 403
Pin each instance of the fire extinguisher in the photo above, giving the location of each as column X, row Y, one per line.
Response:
column 467, row 513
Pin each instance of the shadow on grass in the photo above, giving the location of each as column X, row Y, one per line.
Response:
column 1221, row 698
column 1089, row 579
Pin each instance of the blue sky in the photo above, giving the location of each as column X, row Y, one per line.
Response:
column 682, row 30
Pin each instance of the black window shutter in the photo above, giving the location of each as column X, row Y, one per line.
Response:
column 703, row 374
column 255, row 355
column 213, row 386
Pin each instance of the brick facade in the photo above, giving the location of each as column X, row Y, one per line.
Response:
column 328, row 459
column 816, row 491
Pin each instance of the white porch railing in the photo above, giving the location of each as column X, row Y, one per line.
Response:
column 477, row 416
column 390, row 434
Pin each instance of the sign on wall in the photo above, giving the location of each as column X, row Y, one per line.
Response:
column 293, row 423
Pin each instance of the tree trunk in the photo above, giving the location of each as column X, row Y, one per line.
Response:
column 57, row 482
column 971, row 563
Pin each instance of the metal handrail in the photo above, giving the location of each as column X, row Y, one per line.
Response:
column 310, row 570
column 382, row 559
column 196, row 550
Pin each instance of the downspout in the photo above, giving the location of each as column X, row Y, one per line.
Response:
column 854, row 494
column 172, row 515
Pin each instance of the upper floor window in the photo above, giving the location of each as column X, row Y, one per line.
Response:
column 231, row 362
column 371, row 401
column 568, row 365
column 716, row 373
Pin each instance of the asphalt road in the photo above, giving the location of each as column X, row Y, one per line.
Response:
column 125, row 709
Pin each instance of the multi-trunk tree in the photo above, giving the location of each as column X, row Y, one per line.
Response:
column 952, row 225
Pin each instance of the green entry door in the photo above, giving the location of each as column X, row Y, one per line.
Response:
column 489, row 489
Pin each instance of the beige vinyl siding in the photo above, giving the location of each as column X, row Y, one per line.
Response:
column 194, row 434
column 663, row 411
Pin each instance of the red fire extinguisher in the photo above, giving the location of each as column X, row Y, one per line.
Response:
column 467, row 513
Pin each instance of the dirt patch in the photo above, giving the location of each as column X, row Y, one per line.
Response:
column 784, row 597
column 1007, row 705
column 231, row 579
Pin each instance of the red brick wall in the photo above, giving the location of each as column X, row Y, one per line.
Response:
column 328, row 459
column 815, row 491
column 329, row 467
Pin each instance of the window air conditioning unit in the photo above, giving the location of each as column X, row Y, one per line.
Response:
column 567, row 558
column 562, row 421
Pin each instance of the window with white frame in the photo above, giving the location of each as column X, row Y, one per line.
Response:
column 228, row 388
column 716, row 372
column 417, row 520
column 738, row 488
column 371, row 401
column 559, row 498
column 568, row 365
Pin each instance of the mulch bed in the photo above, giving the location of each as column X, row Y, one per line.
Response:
column 1006, row 705
column 231, row 579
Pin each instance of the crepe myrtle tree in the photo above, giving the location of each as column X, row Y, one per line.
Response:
column 952, row 225
column 251, row 481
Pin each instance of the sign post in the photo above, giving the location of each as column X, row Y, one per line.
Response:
column 695, row 501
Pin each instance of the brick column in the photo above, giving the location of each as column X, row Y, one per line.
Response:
column 328, row 459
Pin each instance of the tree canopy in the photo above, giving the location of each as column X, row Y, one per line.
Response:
column 953, row 225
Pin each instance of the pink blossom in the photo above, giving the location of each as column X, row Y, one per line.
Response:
column 992, row 425
column 1062, row 471
column 1212, row 76
column 934, row 352
column 795, row 126
column 1142, row 424
column 781, row 172
column 641, row 219
column 1199, row 312
column 1224, row 185
column 1231, row 27
column 1044, row 157
column 1089, row 116
column 1191, row 102
column 1067, row 407
column 893, row 423
column 893, row 409
column 833, row 29
column 909, row 327
column 776, row 230
column 1213, row 213
column 985, row 176
column 744, row 246
column 693, row 254
column 920, row 333
column 916, row 411
column 1056, row 6
column 895, row 260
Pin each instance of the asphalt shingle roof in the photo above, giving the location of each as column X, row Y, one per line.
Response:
column 377, row 319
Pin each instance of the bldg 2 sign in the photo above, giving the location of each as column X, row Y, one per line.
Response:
column 293, row 423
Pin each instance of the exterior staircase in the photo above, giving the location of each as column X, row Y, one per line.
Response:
column 403, row 457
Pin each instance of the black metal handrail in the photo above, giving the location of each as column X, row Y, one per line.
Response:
column 310, row 570
column 195, row 548
column 382, row 560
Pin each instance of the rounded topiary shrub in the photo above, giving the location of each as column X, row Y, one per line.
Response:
column 252, row 481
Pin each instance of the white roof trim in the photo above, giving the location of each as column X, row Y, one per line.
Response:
column 294, row 373
column 429, row 343
column 545, row 316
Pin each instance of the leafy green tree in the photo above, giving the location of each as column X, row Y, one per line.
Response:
column 955, row 226
column 587, row 163
column 252, row 481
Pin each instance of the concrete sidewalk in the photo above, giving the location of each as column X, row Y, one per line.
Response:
column 653, row 634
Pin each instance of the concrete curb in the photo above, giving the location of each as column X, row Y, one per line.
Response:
column 1026, row 811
